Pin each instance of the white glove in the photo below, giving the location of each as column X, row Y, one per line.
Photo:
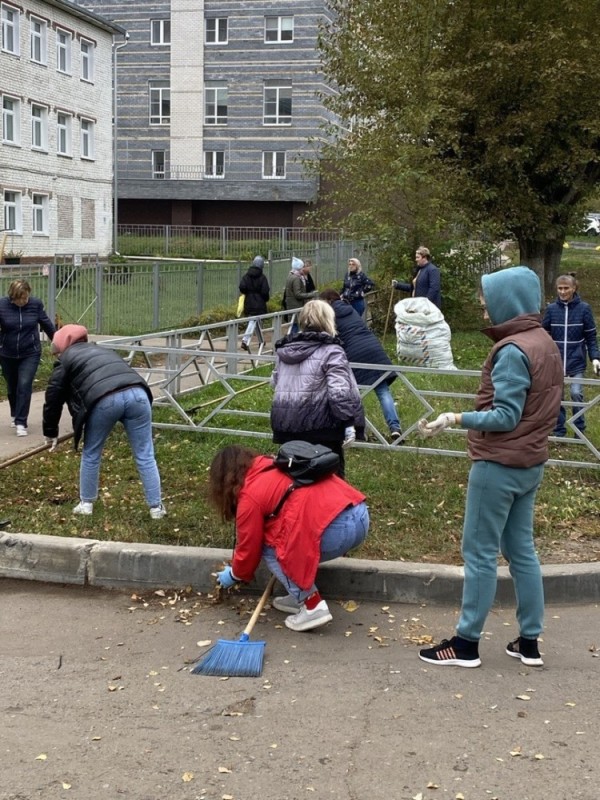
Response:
column 428, row 429
column 52, row 442
column 394, row 284
column 596, row 366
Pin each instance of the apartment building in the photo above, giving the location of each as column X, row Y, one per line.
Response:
column 218, row 110
column 56, row 151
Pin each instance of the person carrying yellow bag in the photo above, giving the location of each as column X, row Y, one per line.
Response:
column 255, row 291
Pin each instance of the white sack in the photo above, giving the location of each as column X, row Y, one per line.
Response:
column 422, row 334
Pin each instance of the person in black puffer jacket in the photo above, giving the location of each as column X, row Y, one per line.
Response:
column 100, row 389
column 255, row 288
column 363, row 347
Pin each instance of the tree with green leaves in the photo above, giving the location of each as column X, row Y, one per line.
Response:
column 480, row 112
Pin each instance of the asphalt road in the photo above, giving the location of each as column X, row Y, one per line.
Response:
column 97, row 702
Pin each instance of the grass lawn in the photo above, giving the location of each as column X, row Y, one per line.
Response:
column 416, row 500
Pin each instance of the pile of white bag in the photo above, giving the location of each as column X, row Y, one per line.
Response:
column 422, row 334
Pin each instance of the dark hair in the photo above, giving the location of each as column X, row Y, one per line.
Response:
column 329, row 295
column 226, row 477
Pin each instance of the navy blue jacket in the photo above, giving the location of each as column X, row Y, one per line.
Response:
column 360, row 344
column 20, row 327
column 427, row 284
column 572, row 327
column 356, row 285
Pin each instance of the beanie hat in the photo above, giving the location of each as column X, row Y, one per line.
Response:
column 297, row 263
column 258, row 262
column 68, row 335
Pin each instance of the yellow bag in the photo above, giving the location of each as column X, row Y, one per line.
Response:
column 240, row 306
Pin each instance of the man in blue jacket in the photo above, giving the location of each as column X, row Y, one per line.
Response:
column 570, row 322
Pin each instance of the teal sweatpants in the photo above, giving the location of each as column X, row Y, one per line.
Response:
column 499, row 518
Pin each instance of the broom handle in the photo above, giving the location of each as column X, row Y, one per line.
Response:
column 389, row 311
column 259, row 606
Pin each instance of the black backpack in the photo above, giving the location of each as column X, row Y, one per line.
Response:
column 305, row 463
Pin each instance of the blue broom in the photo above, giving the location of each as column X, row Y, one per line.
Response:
column 241, row 659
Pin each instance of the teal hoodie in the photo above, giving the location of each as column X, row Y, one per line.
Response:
column 507, row 294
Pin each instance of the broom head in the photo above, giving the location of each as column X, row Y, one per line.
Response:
column 242, row 659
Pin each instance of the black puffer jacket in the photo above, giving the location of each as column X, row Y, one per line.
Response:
column 255, row 287
column 84, row 374
column 360, row 344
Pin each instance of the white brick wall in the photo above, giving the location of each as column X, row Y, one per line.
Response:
column 187, row 84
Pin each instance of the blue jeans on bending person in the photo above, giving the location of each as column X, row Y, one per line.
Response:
column 19, row 374
column 384, row 395
column 576, row 392
column 499, row 518
column 347, row 531
column 132, row 408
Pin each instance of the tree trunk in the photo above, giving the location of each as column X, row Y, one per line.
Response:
column 544, row 258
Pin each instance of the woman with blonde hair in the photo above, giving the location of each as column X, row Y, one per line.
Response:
column 316, row 394
column 356, row 285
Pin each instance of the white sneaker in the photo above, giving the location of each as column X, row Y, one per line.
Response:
column 83, row 508
column 12, row 422
column 287, row 604
column 158, row 512
column 306, row 620
column 21, row 430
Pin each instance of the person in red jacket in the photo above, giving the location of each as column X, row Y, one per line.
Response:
column 318, row 522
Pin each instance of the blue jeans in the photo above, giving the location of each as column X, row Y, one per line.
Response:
column 576, row 392
column 19, row 374
column 499, row 517
column 347, row 531
column 358, row 305
column 384, row 395
column 132, row 408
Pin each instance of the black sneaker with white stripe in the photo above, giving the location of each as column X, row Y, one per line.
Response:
column 525, row 649
column 454, row 652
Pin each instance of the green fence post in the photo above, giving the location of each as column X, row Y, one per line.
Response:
column 155, row 295
column 200, row 288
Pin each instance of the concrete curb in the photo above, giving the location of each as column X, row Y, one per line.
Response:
column 119, row 565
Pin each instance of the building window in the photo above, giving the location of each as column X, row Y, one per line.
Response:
column 87, row 138
column 63, row 51
column 39, row 128
column 11, row 120
column 215, row 104
column 39, row 221
column 10, row 30
column 87, row 60
column 160, row 103
column 13, row 219
column 279, row 29
column 217, row 30
column 277, row 105
column 274, row 164
column 158, row 164
column 214, row 164
column 64, row 124
column 38, row 36
column 160, row 31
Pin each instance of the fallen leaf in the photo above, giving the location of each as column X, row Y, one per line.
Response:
column 225, row 770
column 539, row 756
column 523, row 697
column 66, row 786
column 41, row 757
column 431, row 785
column 187, row 777
column 204, row 642
column 516, row 752
column 349, row 605
column 571, row 705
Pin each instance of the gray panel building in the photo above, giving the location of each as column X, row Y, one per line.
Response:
column 218, row 110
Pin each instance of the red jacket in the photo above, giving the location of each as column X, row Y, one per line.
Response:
column 296, row 531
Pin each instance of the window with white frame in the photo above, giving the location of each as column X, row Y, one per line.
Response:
column 13, row 218
column 87, row 138
column 217, row 30
column 277, row 104
column 39, row 127
column 87, row 60
column 158, row 164
column 38, row 38
column 274, row 164
column 11, row 120
column 215, row 103
column 279, row 29
column 160, row 102
column 64, row 126
column 214, row 164
column 160, row 31
column 63, row 51
column 39, row 209
column 11, row 19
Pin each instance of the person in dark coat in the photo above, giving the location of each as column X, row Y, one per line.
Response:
column 363, row 347
column 356, row 285
column 426, row 280
column 255, row 288
column 570, row 322
column 100, row 389
column 21, row 317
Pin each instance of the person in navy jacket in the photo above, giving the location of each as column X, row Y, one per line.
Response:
column 570, row 322
column 21, row 317
column 426, row 280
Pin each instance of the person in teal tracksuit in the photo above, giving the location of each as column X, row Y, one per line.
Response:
column 517, row 402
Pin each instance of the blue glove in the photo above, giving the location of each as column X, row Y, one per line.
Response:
column 226, row 578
